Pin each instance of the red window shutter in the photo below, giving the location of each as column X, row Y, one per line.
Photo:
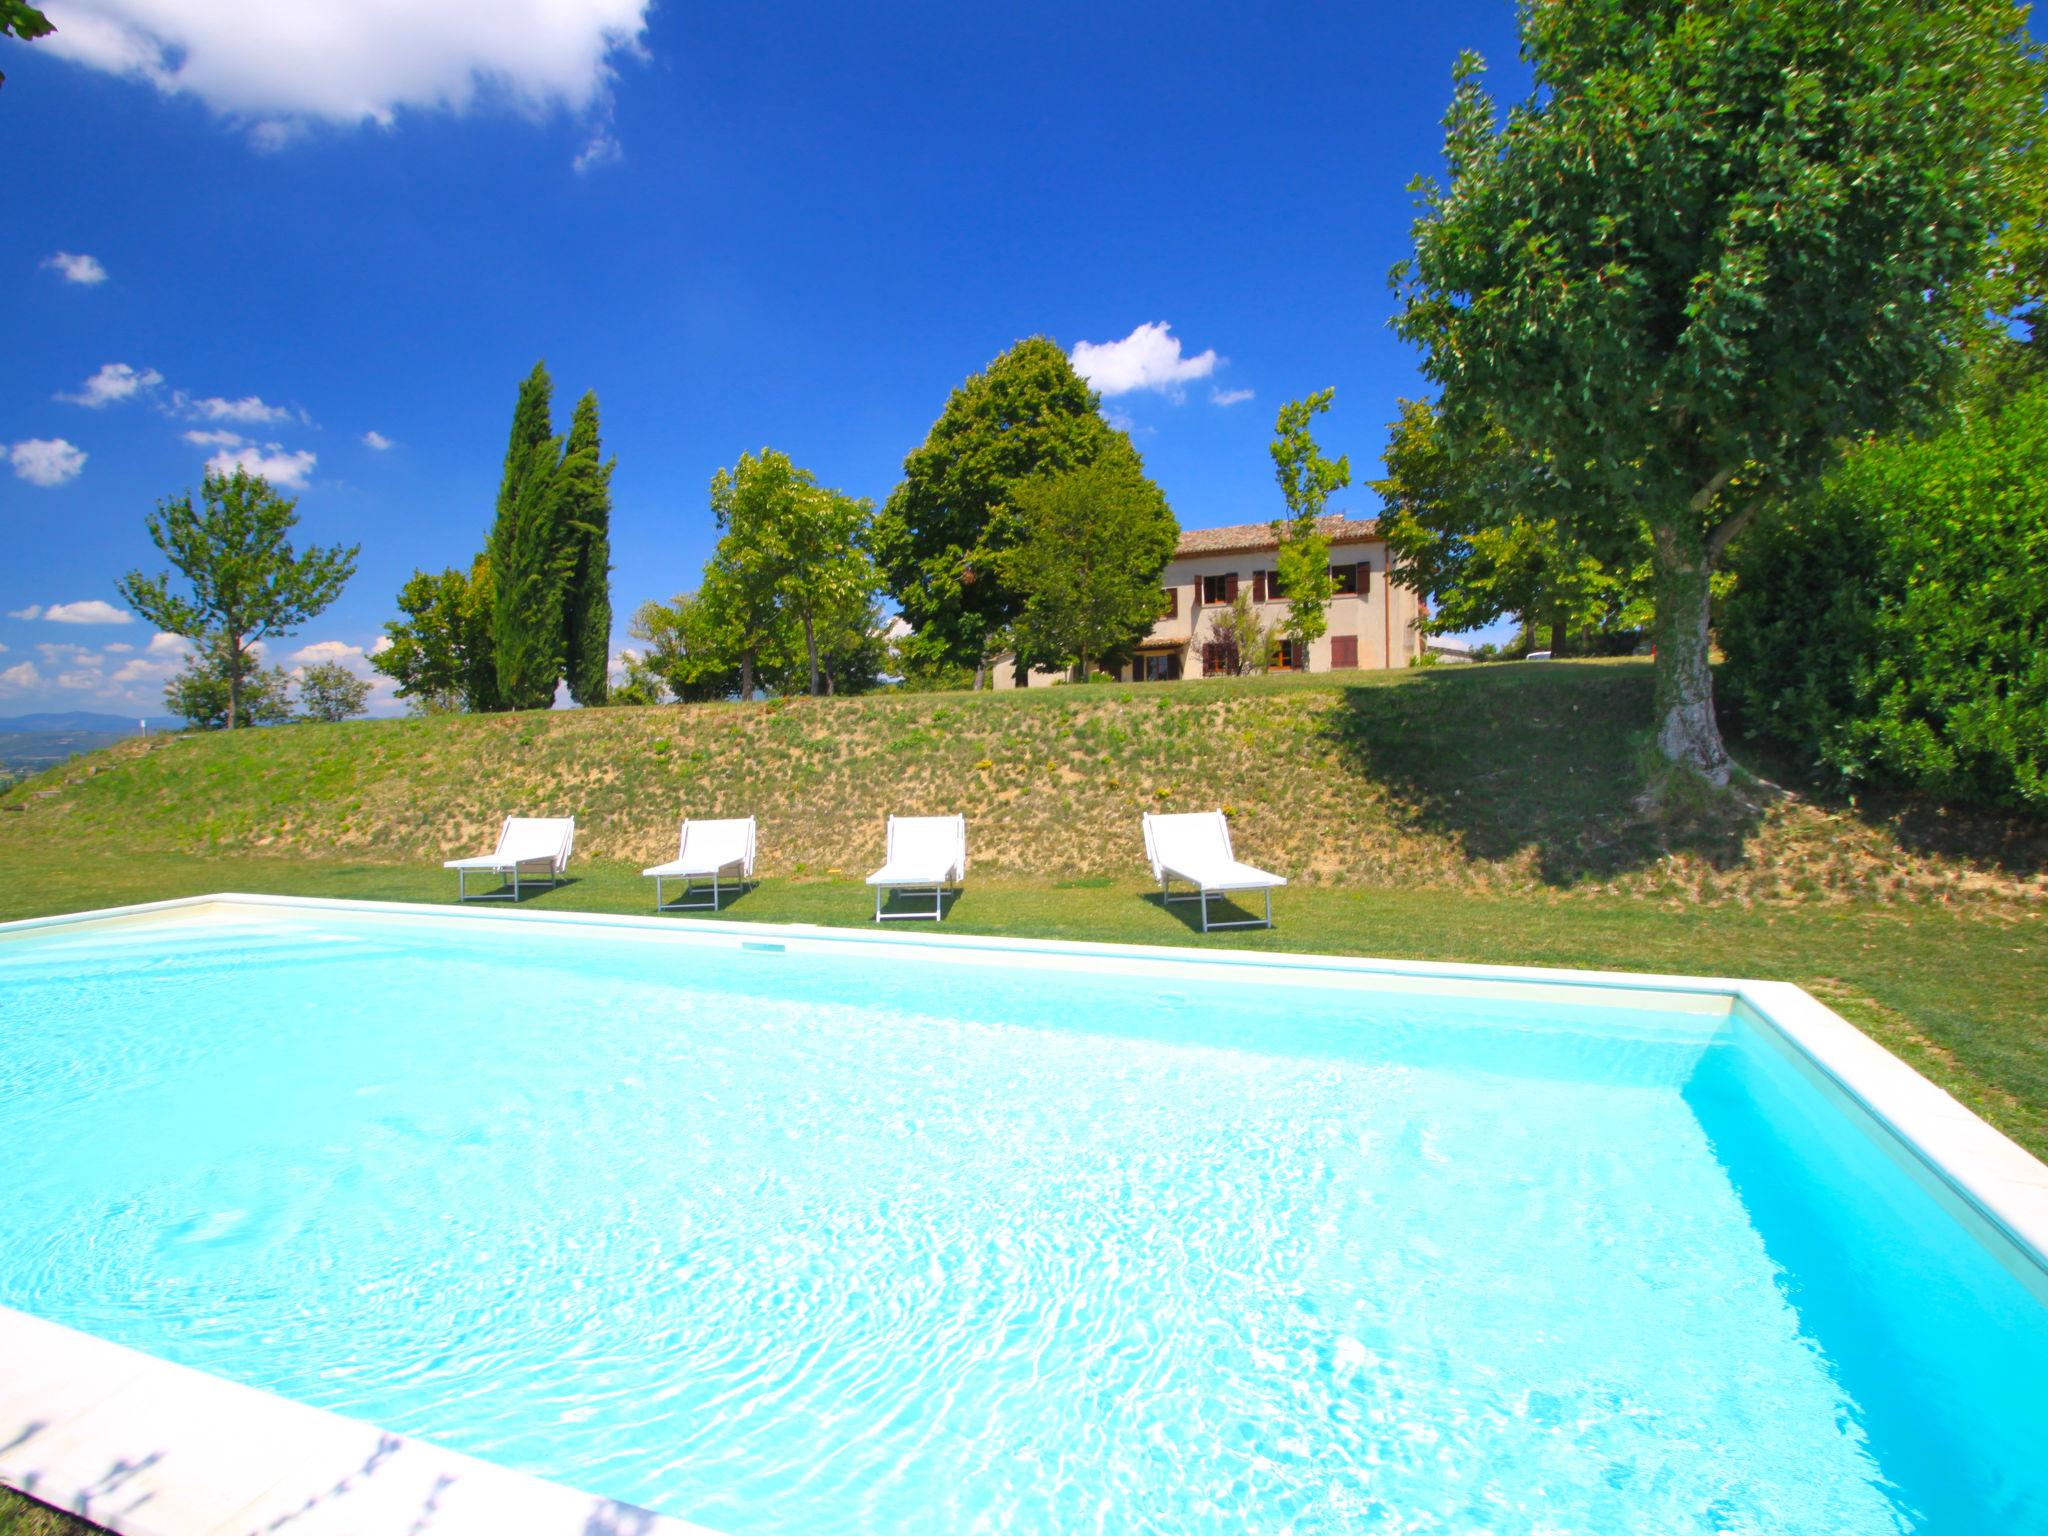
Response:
column 1230, row 588
column 1364, row 579
column 1173, row 602
column 1343, row 651
column 1258, row 586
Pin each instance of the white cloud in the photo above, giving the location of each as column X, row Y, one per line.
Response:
column 90, row 610
column 602, row 148
column 281, row 66
column 162, row 644
column 376, row 440
column 32, row 611
column 351, row 656
column 46, row 460
column 20, row 677
column 77, row 269
column 250, row 409
column 64, row 655
column 1148, row 358
column 113, row 383
column 268, row 460
column 221, row 438
column 1229, row 396
column 114, row 648
column 380, row 645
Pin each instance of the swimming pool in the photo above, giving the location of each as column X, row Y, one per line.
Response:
column 784, row 1233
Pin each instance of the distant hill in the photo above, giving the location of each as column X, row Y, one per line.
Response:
column 86, row 720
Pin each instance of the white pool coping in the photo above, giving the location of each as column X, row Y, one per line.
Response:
column 148, row 1448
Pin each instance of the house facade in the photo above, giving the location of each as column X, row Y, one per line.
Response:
column 1372, row 621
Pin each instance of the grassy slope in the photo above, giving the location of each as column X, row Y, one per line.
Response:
column 1496, row 779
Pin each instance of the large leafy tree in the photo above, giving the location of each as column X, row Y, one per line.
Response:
column 1091, row 545
column 791, row 565
column 218, row 689
column 940, row 536
column 530, row 555
column 1308, row 479
column 1483, row 537
column 19, row 19
column 584, row 492
column 244, row 581
column 683, row 652
column 1720, row 238
column 439, row 652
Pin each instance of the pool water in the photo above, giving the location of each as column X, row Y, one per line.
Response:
column 795, row 1242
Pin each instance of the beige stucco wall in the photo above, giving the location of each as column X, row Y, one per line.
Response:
column 1383, row 621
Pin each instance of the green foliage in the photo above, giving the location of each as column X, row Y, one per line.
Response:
column 222, row 688
column 584, row 486
column 245, row 581
column 1719, row 238
column 328, row 691
column 940, row 537
column 1481, row 540
column 791, row 577
column 1091, row 544
column 1248, row 641
column 22, row 20
column 440, row 653
column 530, row 556
column 1307, row 482
column 1892, row 627
column 684, row 655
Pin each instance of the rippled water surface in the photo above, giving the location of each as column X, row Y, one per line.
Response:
column 790, row 1243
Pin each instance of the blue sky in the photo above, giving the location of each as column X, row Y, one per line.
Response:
column 742, row 226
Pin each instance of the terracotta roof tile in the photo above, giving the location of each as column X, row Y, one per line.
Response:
column 1338, row 529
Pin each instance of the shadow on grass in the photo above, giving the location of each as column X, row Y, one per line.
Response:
column 1226, row 914
column 1538, row 757
column 529, row 890
column 910, row 905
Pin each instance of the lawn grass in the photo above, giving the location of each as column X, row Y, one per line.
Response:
column 1957, row 992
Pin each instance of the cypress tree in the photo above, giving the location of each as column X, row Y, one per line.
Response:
column 584, row 492
column 527, row 555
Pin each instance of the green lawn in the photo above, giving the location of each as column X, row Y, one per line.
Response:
column 1957, row 993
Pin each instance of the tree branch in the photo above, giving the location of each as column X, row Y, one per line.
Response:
column 1723, row 532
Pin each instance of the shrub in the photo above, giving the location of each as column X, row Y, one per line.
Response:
column 1892, row 628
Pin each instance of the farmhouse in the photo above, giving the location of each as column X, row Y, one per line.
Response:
column 1371, row 619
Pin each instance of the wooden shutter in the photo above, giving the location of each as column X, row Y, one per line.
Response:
column 1364, row 579
column 1343, row 651
column 1230, row 588
column 1258, row 586
column 1173, row 602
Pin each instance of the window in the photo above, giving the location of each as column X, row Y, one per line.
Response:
column 1344, row 580
column 1157, row 667
column 1343, row 651
column 1275, row 593
column 1218, row 659
column 1172, row 603
column 1220, row 589
column 1286, row 654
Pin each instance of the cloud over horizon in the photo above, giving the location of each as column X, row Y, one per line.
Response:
column 114, row 383
column 280, row 67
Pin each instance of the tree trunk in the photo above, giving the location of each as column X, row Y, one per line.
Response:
column 1559, row 636
column 746, row 676
column 811, row 651
column 1687, row 732
column 234, row 680
column 980, row 672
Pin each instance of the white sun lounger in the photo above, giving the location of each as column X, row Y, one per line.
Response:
column 718, row 851
column 926, row 853
column 1194, row 848
column 530, row 848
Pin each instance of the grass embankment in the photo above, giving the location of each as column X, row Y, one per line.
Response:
column 1492, row 814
